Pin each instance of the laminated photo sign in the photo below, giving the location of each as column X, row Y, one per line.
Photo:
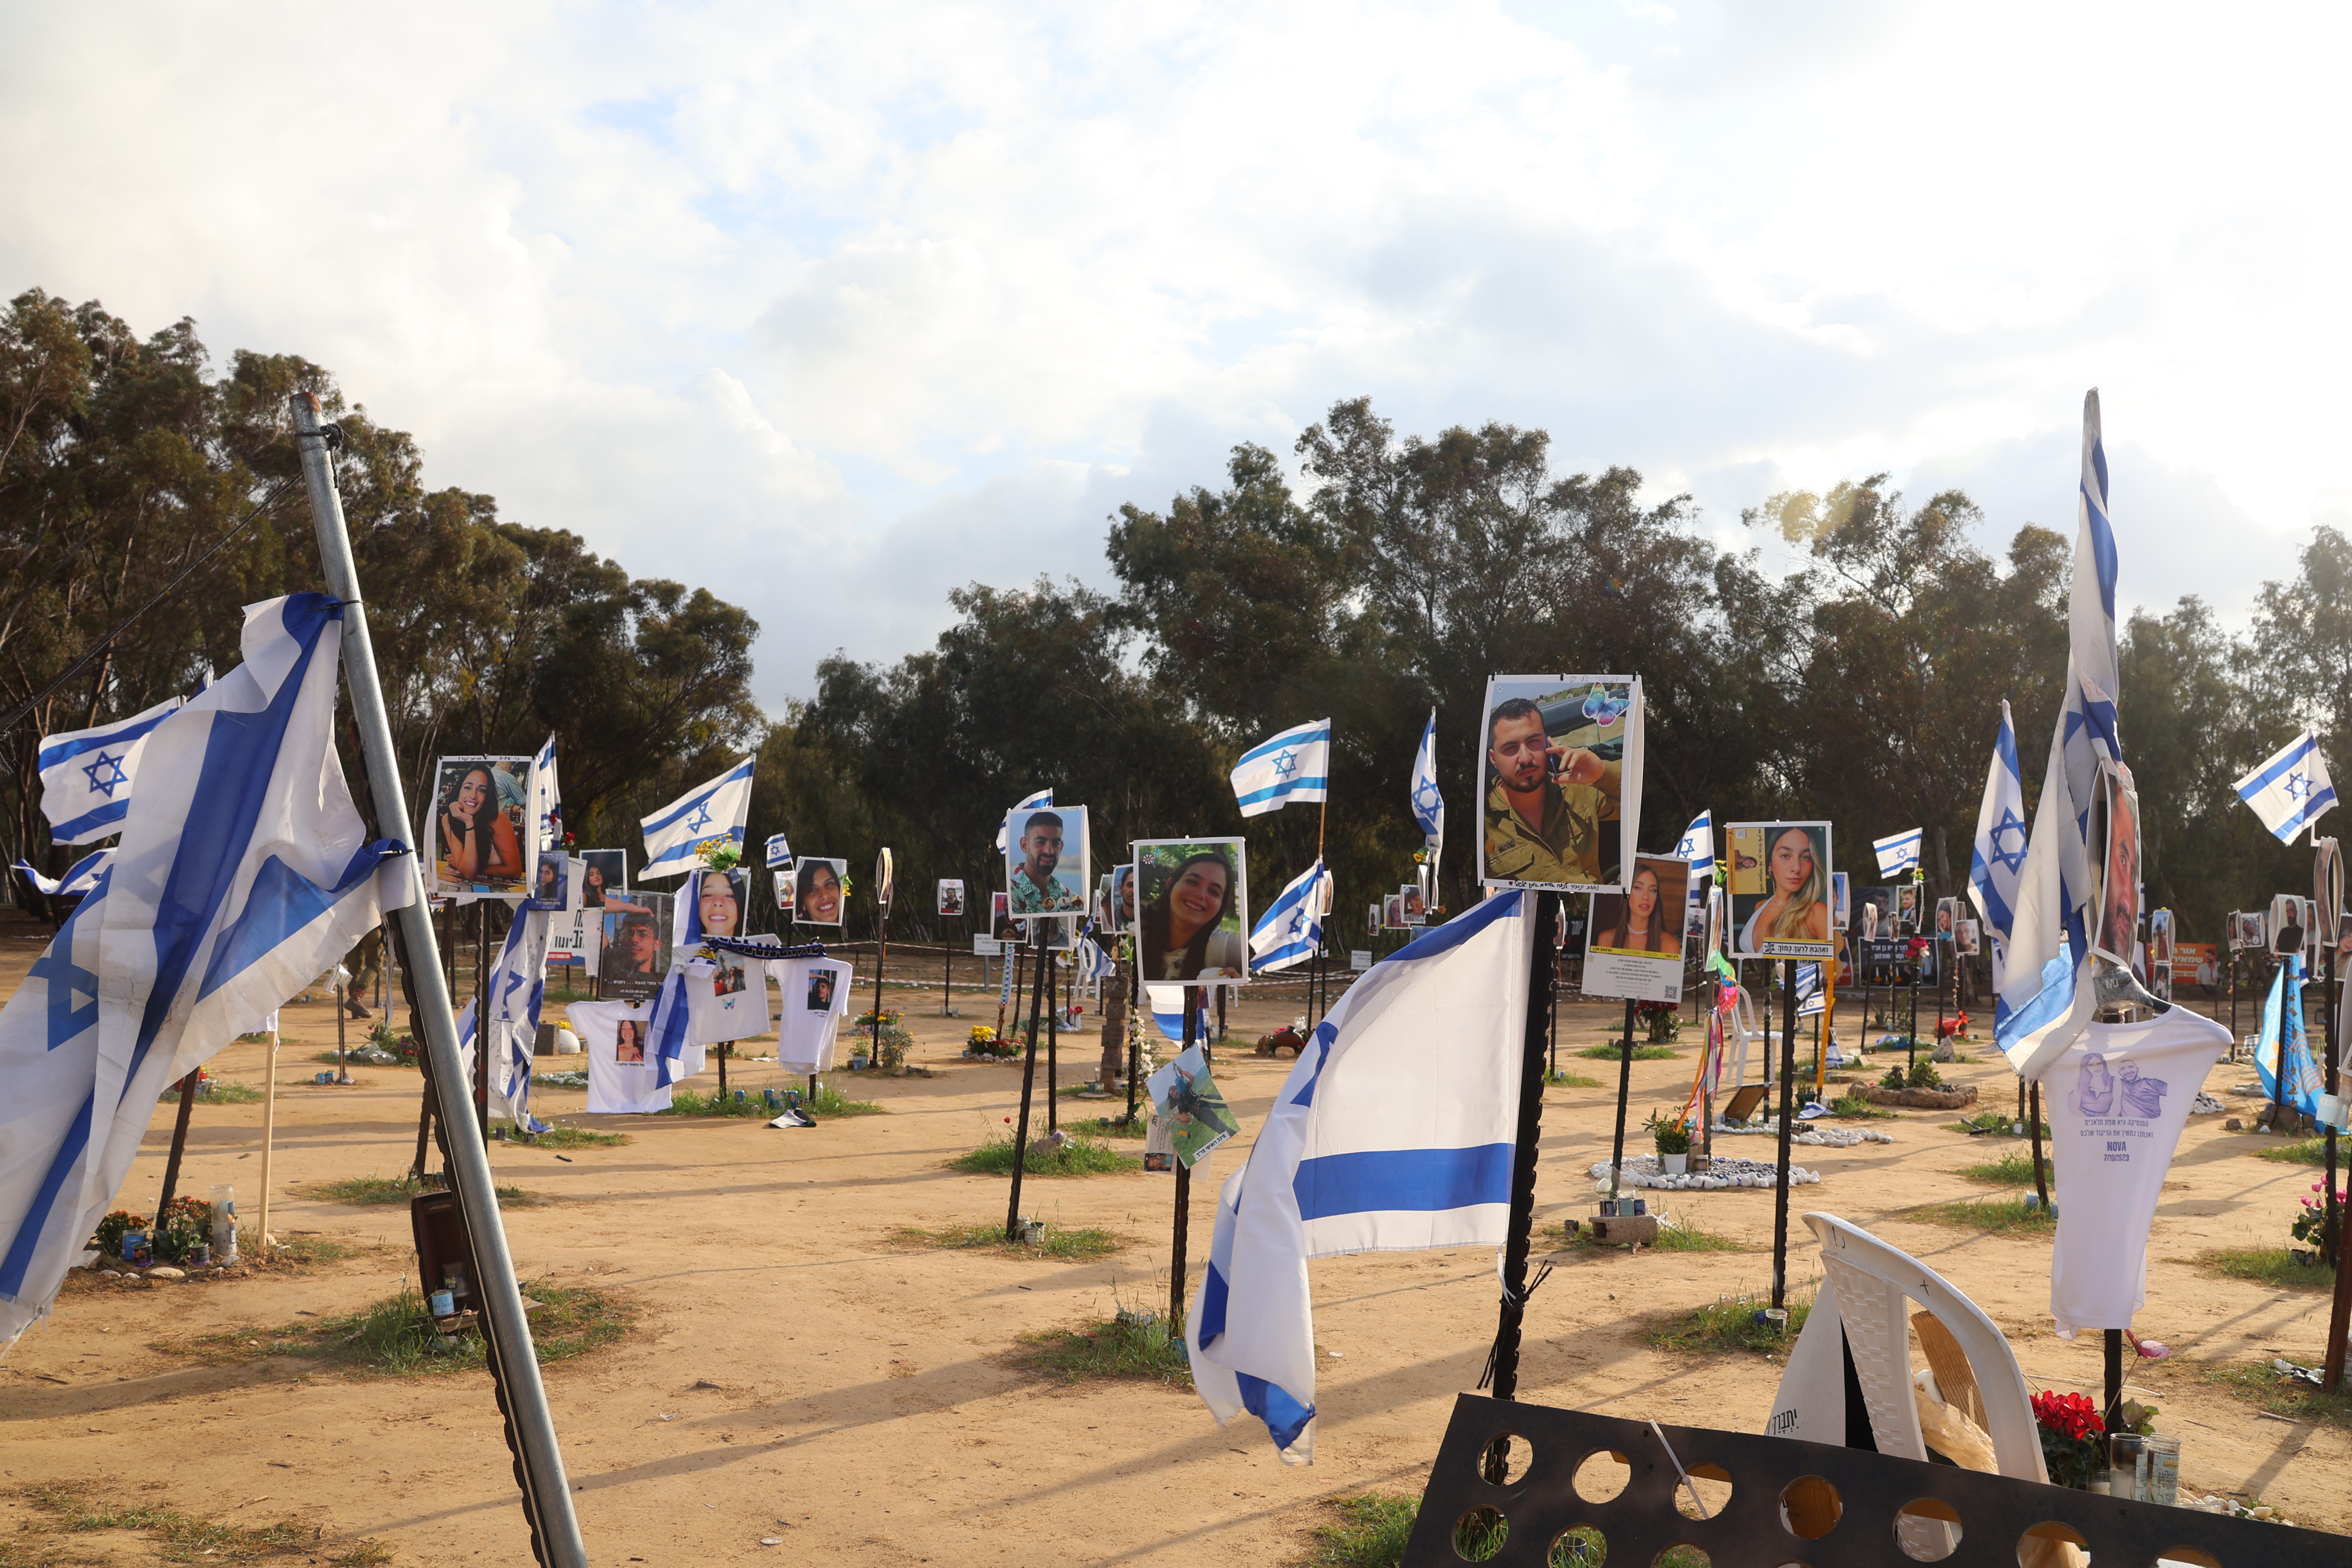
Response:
column 816, row 891
column 1188, row 1101
column 1046, row 870
column 1634, row 946
column 473, row 826
column 1559, row 781
column 2114, row 825
column 713, row 903
column 951, row 896
column 636, row 952
column 1777, row 877
column 1191, row 919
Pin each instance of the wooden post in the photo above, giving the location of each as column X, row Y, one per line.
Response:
column 269, row 1130
column 1542, row 965
column 1788, row 1125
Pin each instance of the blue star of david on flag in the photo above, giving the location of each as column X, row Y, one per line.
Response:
column 2298, row 786
column 1283, row 768
column 2013, row 859
column 1286, row 764
column 675, row 835
column 1428, row 805
column 1292, row 929
column 112, row 768
column 700, row 819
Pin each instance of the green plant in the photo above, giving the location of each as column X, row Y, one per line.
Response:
column 1728, row 1324
column 184, row 1537
column 1668, row 1133
column 2074, row 1448
column 1923, row 1075
column 1109, row 1126
column 185, row 1223
column 1999, row 1216
column 1895, row 1078
column 827, row 1101
column 724, row 855
column 1075, row 1157
column 2318, row 1222
column 1558, row 1079
column 2014, row 1169
column 1370, row 1532
column 2309, row 1152
column 2271, row 1265
column 1852, row 1104
column 395, row 1338
column 374, row 1189
column 1611, row 1050
column 1688, row 1236
column 1991, row 1121
column 566, row 1137
column 113, row 1228
column 1663, row 1020
column 1069, row 1246
column 1132, row 1346
column 2268, row 1388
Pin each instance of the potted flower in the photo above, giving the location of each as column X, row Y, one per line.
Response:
column 1673, row 1140
column 2073, row 1440
column 1663, row 1019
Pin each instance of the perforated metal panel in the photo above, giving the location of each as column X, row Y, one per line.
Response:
column 1642, row 1522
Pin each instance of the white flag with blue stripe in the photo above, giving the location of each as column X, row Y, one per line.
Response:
column 2291, row 789
column 1394, row 1132
column 85, row 774
column 546, row 806
column 1167, row 1005
column 242, row 874
column 82, row 879
column 1291, row 930
column 779, row 851
column 2046, row 996
column 707, row 814
column 1698, row 846
column 1897, row 852
column 1043, row 799
column 1997, row 861
column 1293, row 765
column 1428, row 805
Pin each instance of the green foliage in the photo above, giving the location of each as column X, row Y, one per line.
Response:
column 1611, row 1050
column 566, row 1137
column 1370, row 1532
column 1687, row 1235
column 828, row 1102
column 395, row 1338
column 1852, row 1106
column 1078, row 1157
column 185, row 1223
column 1070, row 1245
column 1109, row 1126
column 1120, row 1348
column 1558, row 1079
column 1991, row 1121
column 1923, row 1075
column 1668, row 1133
column 2307, row 1152
column 2011, row 1170
column 184, row 1537
column 373, row 1189
column 1728, row 1324
column 2261, row 1384
column 113, row 1228
column 2001, row 1217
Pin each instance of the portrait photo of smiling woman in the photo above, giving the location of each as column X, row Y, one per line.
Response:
column 1780, row 886
column 475, row 829
column 1192, row 924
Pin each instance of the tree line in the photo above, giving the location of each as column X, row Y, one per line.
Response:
column 1390, row 577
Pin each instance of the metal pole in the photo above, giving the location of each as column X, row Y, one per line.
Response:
column 1028, row 1086
column 1788, row 1122
column 1183, row 1216
column 342, row 1064
column 268, row 1137
column 1051, row 991
column 2033, row 1129
column 481, row 1017
column 531, row 1428
column 1542, row 966
column 179, row 1144
column 1624, row 1091
column 947, row 972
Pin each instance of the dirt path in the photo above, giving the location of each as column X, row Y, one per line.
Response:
column 791, row 1363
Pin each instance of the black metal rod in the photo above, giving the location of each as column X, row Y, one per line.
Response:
column 1788, row 1122
column 1542, row 967
column 2033, row 1129
column 1052, row 983
column 179, row 1145
column 2112, row 1407
column 947, row 976
column 1624, row 1091
column 1028, row 1084
column 1181, row 1225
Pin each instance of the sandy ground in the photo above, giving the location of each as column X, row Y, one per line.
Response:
column 795, row 1373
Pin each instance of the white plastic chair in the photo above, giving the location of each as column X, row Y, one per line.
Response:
column 1867, row 1292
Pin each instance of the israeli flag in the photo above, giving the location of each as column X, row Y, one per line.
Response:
column 1291, row 930
column 1897, row 852
column 1293, row 765
column 780, row 852
column 1428, row 805
column 2291, row 789
column 1043, row 799
column 1394, row 1132
column 243, row 873
column 518, row 988
column 85, row 774
column 1698, row 845
column 1092, row 962
column 546, row 804
column 82, row 879
column 709, row 813
column 1166, row 1003
column 2045, row 996
column 1999, row 855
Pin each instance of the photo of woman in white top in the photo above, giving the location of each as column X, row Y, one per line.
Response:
column 1190, row 927
column 1796, row 908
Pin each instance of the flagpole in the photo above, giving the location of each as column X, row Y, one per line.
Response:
column 1787, row 1120
column 513, row 1364
column 1542, row 968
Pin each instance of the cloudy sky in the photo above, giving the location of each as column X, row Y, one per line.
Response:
column 834, row 308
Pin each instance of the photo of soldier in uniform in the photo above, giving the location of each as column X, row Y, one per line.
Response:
column 1560, row 771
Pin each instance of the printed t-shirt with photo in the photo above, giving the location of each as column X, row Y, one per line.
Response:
column 815, row 998
column 616, row 1087
column 726, row 998
column 2117, row 1100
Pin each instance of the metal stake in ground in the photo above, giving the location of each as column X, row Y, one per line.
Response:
column 947, row 969
column 1053, row 1046
column 179, row 1144
column 1625, row 1090
column 1183, row 1197
column 2033, row 1129
column 1028, row 1085
column 269, row 1132
column 1788, row 1122
column 481, row 1012
column 513, row 1366
column 1541, row 969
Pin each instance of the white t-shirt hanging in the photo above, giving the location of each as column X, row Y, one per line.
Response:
column 2117, row 1100
column 726, row 998
column 622, row 1075
column 815, row 998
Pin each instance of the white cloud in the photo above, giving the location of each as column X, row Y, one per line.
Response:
column 831, row 309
